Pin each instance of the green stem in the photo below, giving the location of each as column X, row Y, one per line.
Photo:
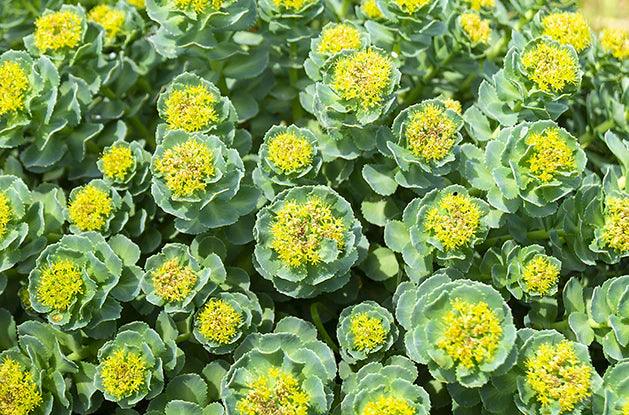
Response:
column 316, row 318
column 587, row 138
column 412, row 95
column 293, row 77
column 217, row 68
column 536, row 235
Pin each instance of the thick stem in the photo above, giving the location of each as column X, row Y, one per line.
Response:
column 293, row 77
column 316, row 318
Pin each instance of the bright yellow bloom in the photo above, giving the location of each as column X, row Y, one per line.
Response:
column 19, row 394
column 551, row 67
column 60, row 284
column 290, row 152
column 6, row 214
column 219, row 321
column 138, row 4
column 123, row 373
column 388, row 405
column 411, row 6
column 616, row 42
column 556, row 374
column 191, row 108
column 371, row 9
column 551, row 154
column 540, row 275
column 475, row 28
column 453, row 104
column 338, row 38
column 14, row 84
column 616, row 228
column 481, row 4
column 430, row 133
column 292, row 5
column 472, row 332
column 90, row 208
column 454, row 221
column 58, row 30
column 363, row 76
column 173, row 281
column 198, row 6
column 277, row 392
column 117, row 162
column 109, row 18
column 625, row 408
column 568, row 29
column 186, row 167
column 368, row 332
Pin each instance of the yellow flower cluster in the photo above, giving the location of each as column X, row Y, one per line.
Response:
column 57, row 30
column 299, row 229
column 90, row 208
column 568, row 29
column 339, row 37
column 219, row 321
column 198, row 6
column 173, row 281
column 371, row 10
column 453, row 104
column 388, row 405
column 186, row 167
column 191, row 108
column 277, row 392
column 6, row 214
column 430, row 133
column 540, row 275
column 292, row 5
column 551, row 67
column 59, row 284
column 556, row 374
column 616, row 228
column 19, row 394
column 454, row 221
column 123, row 373
column 551, row 154
column 472, row 332
column 138, row 4
column 368, row 332
column 616, row 42
column 411, row 6
column 481, row 4
column 363, row 76
column 14, row 84
column 109, row 18
column 117, row 162
column 290, row 152
column 475, row 28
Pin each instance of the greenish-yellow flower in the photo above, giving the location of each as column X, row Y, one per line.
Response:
column 551, row 67
column 454, row 221
column 14, row 85
column 290, row 152
column 411, row 6
column 173, row 281
column 550, row 154
column 475, row 28
column 19, row 394
column 339, row 37
column 90, row 208
column 616, row 228
column 219, row 321
column 368, row 332
column 123, row 373
column 388, row 405
column 59, row 285
column 6, row 214
column 191, row 108
column 568, row 29
column 58, row 30
column 109, row 18
column 540, row 275
column 117, row 162
column 277, row 392
column 616, row 42
column 430, row 133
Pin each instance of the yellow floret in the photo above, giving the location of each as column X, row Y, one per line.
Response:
column 290, row 152
column 292, row 5
column 551, row 154
column 475, row 28
column 219, row 321
column 300, row 227
column 568, row 29
column 550, row 67
column 186, row 167
column 616, row 42
column 411, row 6
column 123, row 373
column 173, row 281
column 371, row 10
column 60, row 284
column 19, row 394
column 454, row 221
column 616, row 228
column 14, row 85
column 277, row 392
column 339, row 37
column 363, row 76
column 472, row 333
column 117, row 162
column 138, row 4
column 90, row 208
column 556, row 375
column 191, row 108
column 58, row 30
column 198, row 6
column 540, row 275
column 481, row 4
column 6, row 214
column 430, row 133
column 388, row 405
column 368, row 332
column 453, row 104
column 109, row 18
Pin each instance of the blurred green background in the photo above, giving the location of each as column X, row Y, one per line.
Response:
column 603, row 13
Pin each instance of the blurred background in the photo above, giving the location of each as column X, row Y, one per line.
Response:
column 603, row 13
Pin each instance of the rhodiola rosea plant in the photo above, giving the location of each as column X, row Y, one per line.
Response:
column 313, row 207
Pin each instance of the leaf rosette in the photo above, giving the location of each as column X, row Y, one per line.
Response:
column 126, row 166
column 613, row 397
column 15, row 201
column 289, row 16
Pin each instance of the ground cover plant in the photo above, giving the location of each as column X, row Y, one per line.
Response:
column 313, row 207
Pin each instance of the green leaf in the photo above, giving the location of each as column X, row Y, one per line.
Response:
column 380, row 179
column 381, row 264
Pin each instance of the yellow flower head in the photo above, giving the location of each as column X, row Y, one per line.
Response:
column 338, row 38
column 363, row 76
column 60, row 284
column 14, row 84
column 277, row 392
column 472, row 332
column 453, row 104
column 454, row 221
column 290, row 152
column 109, row 18
column 186, row 167
column 411, row 6
column 556, row 374
column 198, row 6
column 616, row 42
column 430, row 134
column 123, row 373
column 219, row 321
column 6, row 214
column 540, row 275
column 138, row 4
column 117, row 162
column 475, row 28
column 292, row 5
column 371, row 9
column 173, row 281
column 191, row 108
column 388, row 405
column 551, row 154
column 368, row 332
column 19, row 394
column 625, row 408
column 568, row 29
column 58, row 30
column 551, row 67
column 616, row 228
column 90, row 208
column 300, row 227
column 481, row 4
